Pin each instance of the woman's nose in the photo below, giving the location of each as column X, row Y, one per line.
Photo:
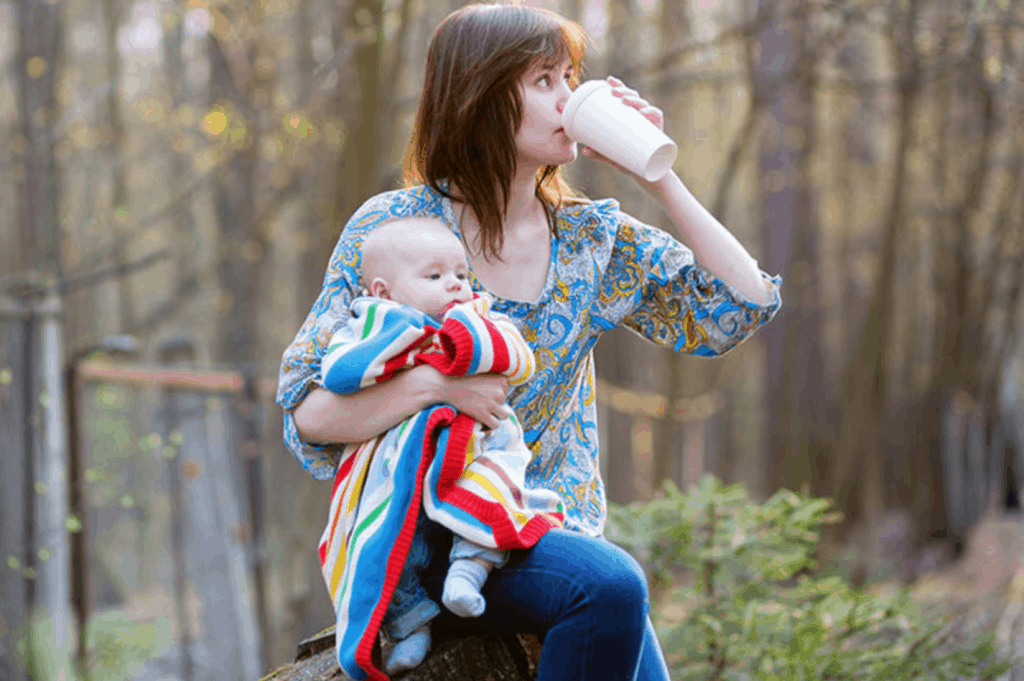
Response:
column 567, row 92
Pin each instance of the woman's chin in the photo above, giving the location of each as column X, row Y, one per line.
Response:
column 566, row 156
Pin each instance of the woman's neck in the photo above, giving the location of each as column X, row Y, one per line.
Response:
column 523, row 206
column 523, row 203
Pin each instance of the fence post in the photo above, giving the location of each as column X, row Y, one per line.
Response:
column 15, row 471
column 171, row 419
column 53, row 583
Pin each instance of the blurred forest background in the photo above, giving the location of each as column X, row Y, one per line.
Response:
column 178, row 172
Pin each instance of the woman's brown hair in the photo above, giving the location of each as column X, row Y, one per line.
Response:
column 471, row 107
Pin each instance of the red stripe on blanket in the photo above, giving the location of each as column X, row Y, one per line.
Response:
column 396, row 560
column 401, row 359
column 457, row 343
column 490, row 513
column 501, row 358
column 339, row 477
column 343, row 470
column 496, row 517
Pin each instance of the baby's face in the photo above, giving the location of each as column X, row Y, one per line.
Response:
column 431, row 275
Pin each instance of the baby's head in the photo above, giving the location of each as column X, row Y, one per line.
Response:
column 419, row 263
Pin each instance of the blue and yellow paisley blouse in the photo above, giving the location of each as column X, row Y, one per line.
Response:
column 606, row 269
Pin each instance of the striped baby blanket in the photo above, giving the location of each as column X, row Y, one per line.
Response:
column 474, row 480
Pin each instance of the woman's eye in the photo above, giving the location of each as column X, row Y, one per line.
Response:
column 544, row 79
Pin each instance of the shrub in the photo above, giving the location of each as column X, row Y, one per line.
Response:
column 752, row 609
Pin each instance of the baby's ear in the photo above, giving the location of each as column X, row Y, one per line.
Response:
column 379, row 289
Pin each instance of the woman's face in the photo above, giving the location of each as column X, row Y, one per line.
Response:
column 541, row 141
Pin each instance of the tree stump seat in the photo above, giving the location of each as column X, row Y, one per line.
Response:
column 454, row 657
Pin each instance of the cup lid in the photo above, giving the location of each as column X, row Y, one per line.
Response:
column 578, row 95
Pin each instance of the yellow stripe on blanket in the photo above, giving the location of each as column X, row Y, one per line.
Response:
column 339, row 566
column 489, row 486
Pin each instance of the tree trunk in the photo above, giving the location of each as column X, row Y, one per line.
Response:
column 184, row 240
column 674, row 26
column 317, row 228
column 858, row 476
column 393, row 64
column 955, row 357
column 796, row 396
column 358, row 104
column 39, row 62
column 241, row 248
column 491, row 657
column 120, row 211
column 618, row 352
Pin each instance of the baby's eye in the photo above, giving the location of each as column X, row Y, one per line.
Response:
column 460, row 275
column 435, row 275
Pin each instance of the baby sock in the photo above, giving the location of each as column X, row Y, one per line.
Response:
column 462, row 588
column 410, row 651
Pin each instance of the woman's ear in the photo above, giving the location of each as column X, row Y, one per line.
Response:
column 379, row 289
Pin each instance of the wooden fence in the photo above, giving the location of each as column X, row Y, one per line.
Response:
column 126, row 488
column 173, row 511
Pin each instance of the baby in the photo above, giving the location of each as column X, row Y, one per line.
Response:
column 424, row 266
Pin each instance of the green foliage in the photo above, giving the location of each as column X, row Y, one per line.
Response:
column 122, row 646
column 752, row 610
column 118, row 645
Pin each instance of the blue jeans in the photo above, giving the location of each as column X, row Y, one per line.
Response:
column 585, row 598
column 410, row 606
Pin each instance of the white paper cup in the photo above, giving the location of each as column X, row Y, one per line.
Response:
column 600, row 120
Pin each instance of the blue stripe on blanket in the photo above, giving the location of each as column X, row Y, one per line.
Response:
column 430, row 487
column 340, row 376
column 376, row 549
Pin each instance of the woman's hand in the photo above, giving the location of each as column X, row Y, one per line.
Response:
column 481, row 397
column 631, row 98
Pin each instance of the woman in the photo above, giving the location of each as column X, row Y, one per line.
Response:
column 485, row 158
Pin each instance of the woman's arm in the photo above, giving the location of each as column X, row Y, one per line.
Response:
column 324, row 417
column 712, row 244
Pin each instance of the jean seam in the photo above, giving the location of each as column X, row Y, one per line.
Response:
column 416, row 614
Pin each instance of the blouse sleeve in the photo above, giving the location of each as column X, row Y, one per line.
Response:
column 652, row 284
column 301, row 363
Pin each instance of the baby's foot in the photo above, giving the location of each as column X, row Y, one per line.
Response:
column 462, row 588
column 410, row 651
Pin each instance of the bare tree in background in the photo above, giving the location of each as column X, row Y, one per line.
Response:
column 117, row 138
column 358, row 103
column 858, row 480
column 615, row 353
column 39, row 62
column 180, row 94
column 241, row 72
column 675, row 28
column 795, row 390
